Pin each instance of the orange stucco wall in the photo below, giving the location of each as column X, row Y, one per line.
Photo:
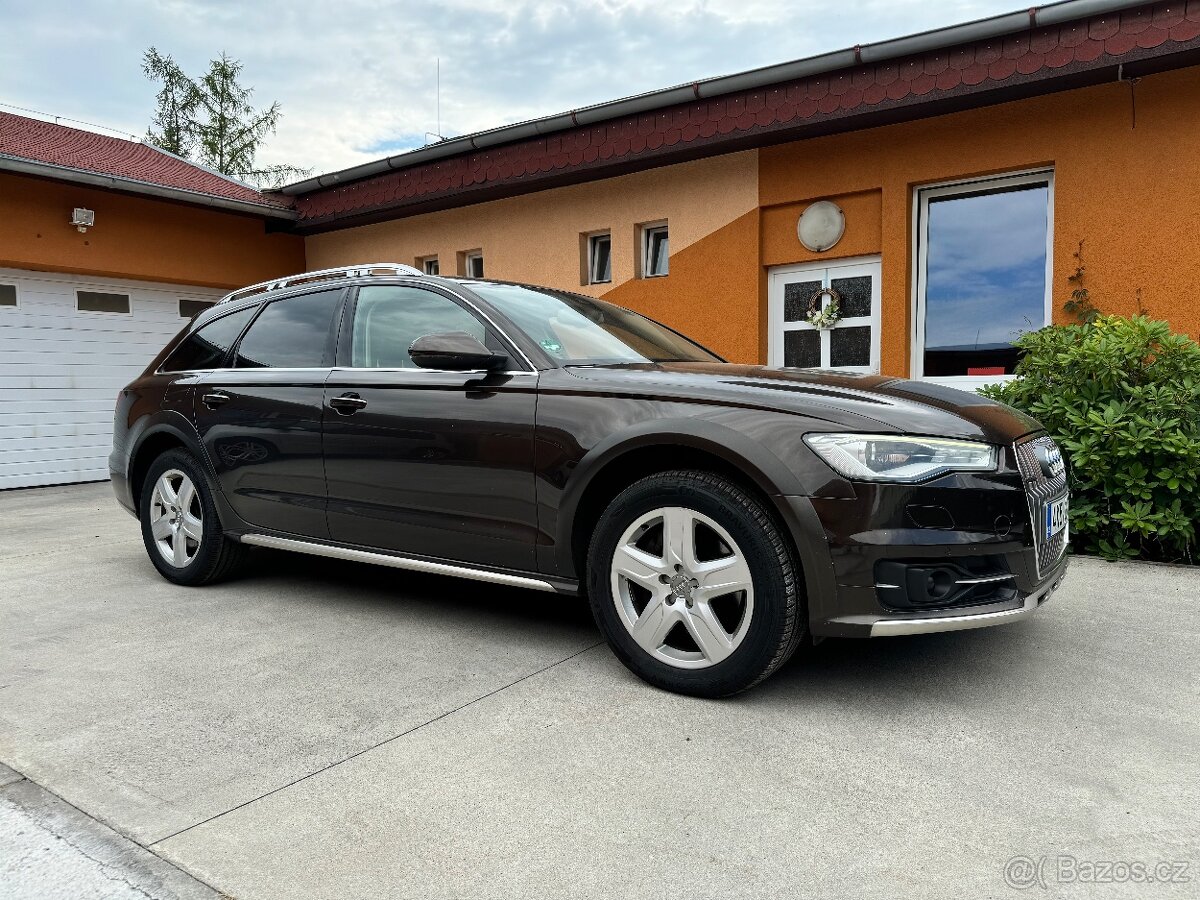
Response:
column 1130, row 191
column 136, row 237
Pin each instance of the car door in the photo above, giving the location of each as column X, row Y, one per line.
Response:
column 260, row 419
column 422, row 462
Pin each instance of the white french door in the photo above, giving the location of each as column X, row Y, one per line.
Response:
column 852, row 345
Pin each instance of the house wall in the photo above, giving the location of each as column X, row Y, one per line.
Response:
column 710, row 293
column 1127, row 183
column 137, row 237
column 1128, row 187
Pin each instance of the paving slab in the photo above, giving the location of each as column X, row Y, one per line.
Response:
column 914, row 767
column 52, row 851
column 322, row 729
column 156, row 706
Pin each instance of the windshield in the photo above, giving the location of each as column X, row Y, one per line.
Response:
column 576, row 330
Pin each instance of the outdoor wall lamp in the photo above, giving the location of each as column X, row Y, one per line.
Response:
column 83, row 219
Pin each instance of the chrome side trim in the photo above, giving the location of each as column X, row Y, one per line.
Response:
column 988, row 580
column 396, row 562
column 892, row 627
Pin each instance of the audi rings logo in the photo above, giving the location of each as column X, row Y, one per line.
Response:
column 1051, row 460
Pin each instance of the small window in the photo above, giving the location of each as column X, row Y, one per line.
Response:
column 655, row 251
column 982, row 273
column 207, row 347
column 191, row 308
column 8, row 295
column 388, row 318
column 95, row 301
column 430, row 266
column 473, row 264
column 293, row 333
column 599, row 258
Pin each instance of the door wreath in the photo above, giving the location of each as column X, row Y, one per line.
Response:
column 824, row 317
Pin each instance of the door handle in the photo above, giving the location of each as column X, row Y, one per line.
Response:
column 347, row 404
column 215, row 399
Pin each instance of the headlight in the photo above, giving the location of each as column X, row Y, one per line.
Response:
column 885, row 457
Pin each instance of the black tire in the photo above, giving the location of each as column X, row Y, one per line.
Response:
column 779, row 619
column 217, row 557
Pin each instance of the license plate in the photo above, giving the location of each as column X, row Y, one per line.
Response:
column 1056, row 516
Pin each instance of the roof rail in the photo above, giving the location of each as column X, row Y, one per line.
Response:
column 322, row 275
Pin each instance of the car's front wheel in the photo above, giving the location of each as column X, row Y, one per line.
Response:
column 180, row 527
column 694, row 585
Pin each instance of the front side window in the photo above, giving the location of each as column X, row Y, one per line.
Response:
column 207, row 347
column 577, row 330
column 293, row 333
column 655, row 251
column 600, row 258
column 982, row 274
column 388, row 318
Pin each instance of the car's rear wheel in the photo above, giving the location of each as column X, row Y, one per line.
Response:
column 694, row 585
column 180, row 526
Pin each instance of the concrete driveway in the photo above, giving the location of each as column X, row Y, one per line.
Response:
column 323, row 729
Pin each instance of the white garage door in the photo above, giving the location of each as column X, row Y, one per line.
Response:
column 67, row 345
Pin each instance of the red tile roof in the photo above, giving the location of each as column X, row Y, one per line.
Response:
column 1038, row 60
column 47, row 142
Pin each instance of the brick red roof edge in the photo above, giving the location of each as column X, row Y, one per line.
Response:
column 59, row 145
column 978, row 72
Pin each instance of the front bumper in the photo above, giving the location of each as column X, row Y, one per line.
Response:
column 980, row 527
column 955, row 620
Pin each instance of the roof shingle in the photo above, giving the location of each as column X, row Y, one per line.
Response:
column 72, row 148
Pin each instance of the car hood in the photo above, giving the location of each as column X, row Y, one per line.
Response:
column 856, row 402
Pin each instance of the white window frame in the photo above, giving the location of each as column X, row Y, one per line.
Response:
column 648, row 231
column 427, row 261
column 592, row 240
column 920, row 224
column 778, row 276
column 468, row 258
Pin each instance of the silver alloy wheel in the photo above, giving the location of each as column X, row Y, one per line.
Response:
column 687, row 607
column 176, row 518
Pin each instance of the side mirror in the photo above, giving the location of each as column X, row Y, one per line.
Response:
column 454, row 351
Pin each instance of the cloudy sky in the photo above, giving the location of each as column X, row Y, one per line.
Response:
column 356, row 77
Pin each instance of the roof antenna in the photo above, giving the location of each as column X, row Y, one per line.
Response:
column 438, row 75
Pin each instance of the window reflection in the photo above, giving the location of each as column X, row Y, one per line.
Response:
column 985, row 278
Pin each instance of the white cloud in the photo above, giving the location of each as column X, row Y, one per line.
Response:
column 356, row 78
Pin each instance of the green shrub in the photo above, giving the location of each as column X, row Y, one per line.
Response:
column 1121, row 395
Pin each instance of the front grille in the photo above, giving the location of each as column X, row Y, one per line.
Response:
column 1040, row 488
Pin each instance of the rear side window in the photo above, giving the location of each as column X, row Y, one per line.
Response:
column 294, row 333
column 207, row 346
column 388, row 318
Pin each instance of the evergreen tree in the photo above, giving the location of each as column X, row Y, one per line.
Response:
column 212, row 121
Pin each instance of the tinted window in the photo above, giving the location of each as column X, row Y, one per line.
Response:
column 189, row 308
column 388, row 318
column 985, row 278
column 295, row 333
column 207, row 347
column 578, row 330
column 8, row 295
column 95, row 301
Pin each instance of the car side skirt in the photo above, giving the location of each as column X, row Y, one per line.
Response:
column 412, row 563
